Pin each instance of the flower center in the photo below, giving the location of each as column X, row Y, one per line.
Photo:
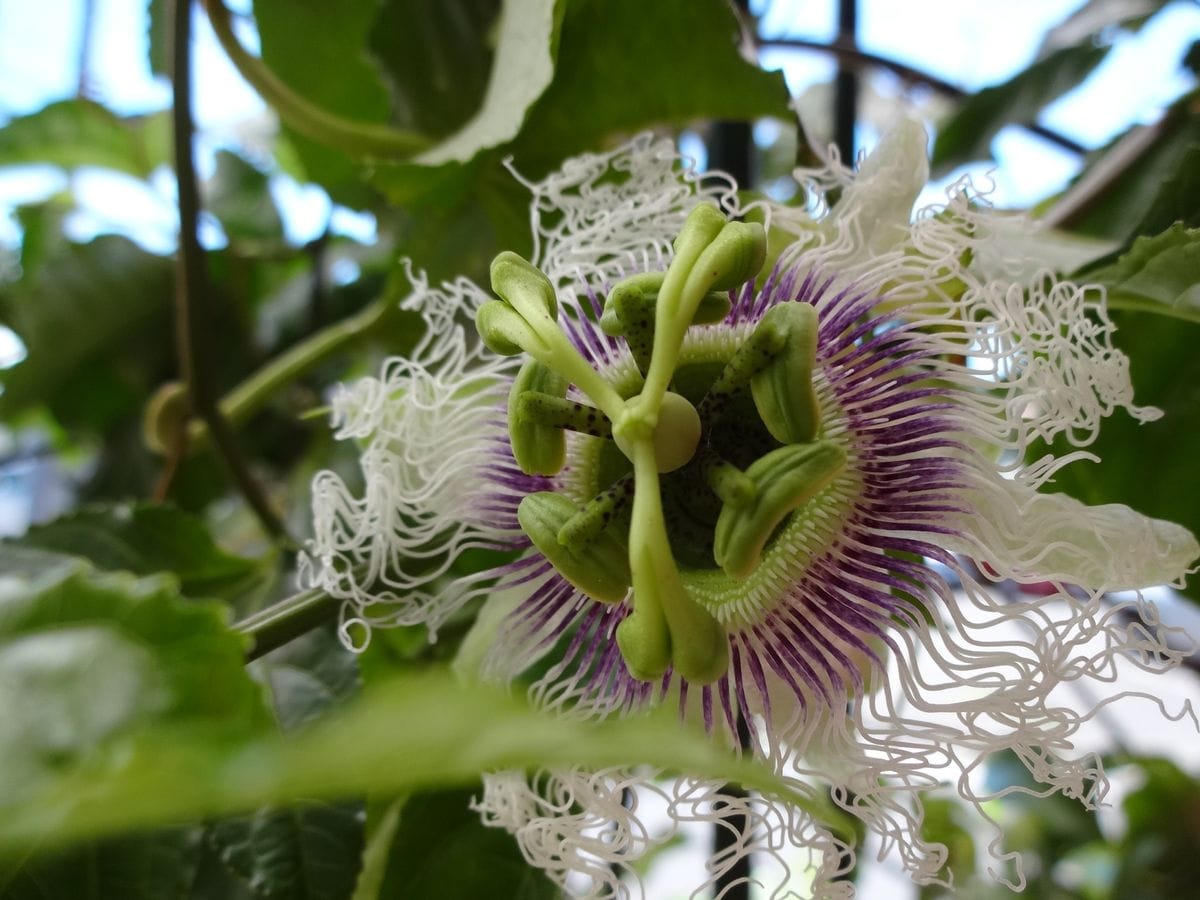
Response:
column 693, row 457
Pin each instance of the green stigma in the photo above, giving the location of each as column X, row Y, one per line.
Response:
column 689, row 467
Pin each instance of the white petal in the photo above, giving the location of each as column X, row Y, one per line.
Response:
column 1029, row 536
column 878, row 204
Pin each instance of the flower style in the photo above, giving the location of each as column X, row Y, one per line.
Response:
column 756, row 473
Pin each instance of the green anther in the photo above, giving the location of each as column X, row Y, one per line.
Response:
column 635, row 289
column 525, row 319
column 596, row 514
column 630, row 311
column 728, row 482
column 732, row 259
column 761, row 348
column 634, row 311
column 502, row 329
column 558, row 412
column 783, row 390
column 522, row 286
column 674, row 432
column 600, row 568
column 539, row 447
column 784, row 480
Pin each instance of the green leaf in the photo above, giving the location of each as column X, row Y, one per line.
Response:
column 323, row 58
column 1156, row 186
column 523, row 68
column 73, row 133
column 442, row 849
column 145, row 539
column 624, row 65
column 239, row 196
column 1178, row 197
column 1096, row 17
column 1159, row 274
column 967, row 134
column 95, row 321
column 157, row 866
column 436, row 56
column 306, row 852
column 87, row 658
column 419, row 731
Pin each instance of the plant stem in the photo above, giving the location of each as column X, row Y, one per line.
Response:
column 191, row 283
column 286, row 620
column 358, row 138
column 248, row 397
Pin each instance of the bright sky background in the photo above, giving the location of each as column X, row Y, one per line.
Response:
column 967, row 42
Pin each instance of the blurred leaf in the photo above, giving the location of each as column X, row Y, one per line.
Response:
column 308, row 677
column 476, row 210
column 157, row 39
column 625, row 65
column 1158, row 859
column 1159, row 274
column 524, row 66
column 440, row 848
column 942, row 824
column 305, row 852
column 1165, row 369
column 436, row 55
column 73, row 133
column 1178, row 197
column 416, row 732
column 145, row 539
column 87, row 657
column 1095, row 17
column 967, row 133
column 1156, row 185
column 240, row 197
column 157, row 866
column 95, row 321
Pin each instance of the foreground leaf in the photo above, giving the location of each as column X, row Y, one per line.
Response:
column 416, row 732
column 145, row 539
column 87, row 657
column 1159, row 274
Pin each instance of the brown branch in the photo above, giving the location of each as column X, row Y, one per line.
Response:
column 191, row 283
column 848, row 53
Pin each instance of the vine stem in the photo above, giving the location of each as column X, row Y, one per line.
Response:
column 252, row 394
column 358, row 138
column 191, row 282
